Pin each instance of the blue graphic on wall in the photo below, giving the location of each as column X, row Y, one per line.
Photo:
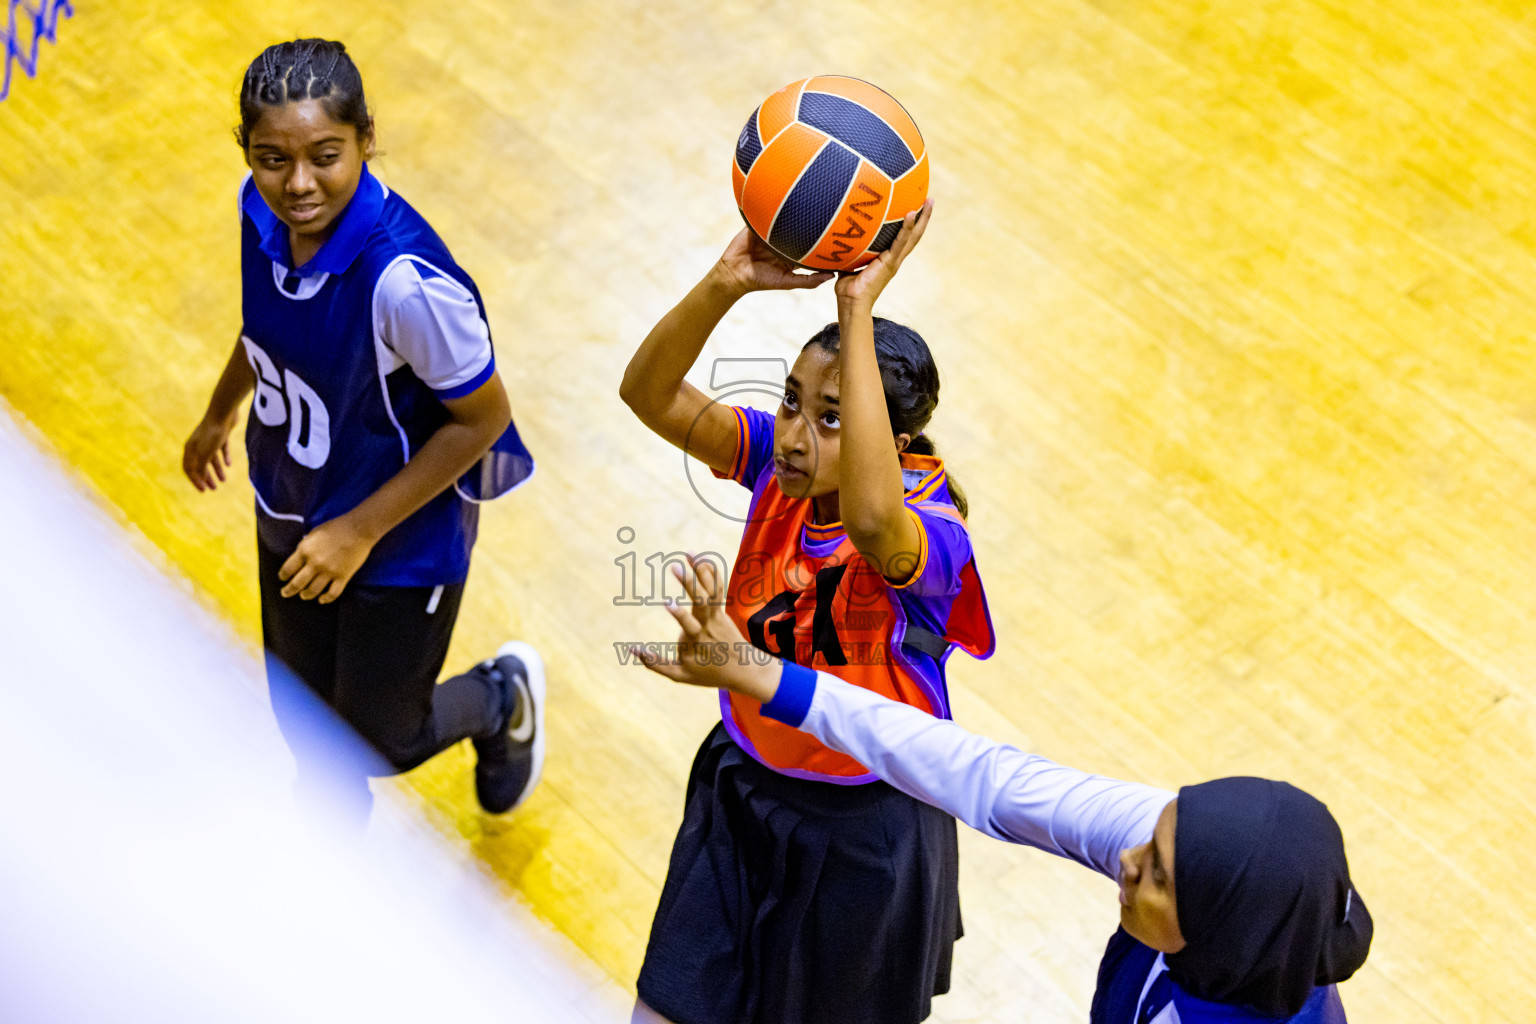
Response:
column 21, row 42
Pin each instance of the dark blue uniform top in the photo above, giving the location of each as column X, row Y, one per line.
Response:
column 1123, row 975
column 337, row 411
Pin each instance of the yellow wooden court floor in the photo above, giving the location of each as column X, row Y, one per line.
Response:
column 1233, row 304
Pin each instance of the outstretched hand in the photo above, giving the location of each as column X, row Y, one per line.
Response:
column 710, row 649
column 749, row 265
column 862, row 287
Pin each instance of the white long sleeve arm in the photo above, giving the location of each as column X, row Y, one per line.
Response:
column 993, row 787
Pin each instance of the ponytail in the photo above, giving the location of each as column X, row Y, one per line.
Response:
column 922, row 444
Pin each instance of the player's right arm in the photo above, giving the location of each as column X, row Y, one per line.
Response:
column 653, row 382
column 206, row 453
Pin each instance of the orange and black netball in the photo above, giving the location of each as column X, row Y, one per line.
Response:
column 825, row 170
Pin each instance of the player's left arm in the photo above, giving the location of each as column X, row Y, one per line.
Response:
column 330, row 554
column 871, row 496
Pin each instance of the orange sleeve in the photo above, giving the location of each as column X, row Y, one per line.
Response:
column 734, row 473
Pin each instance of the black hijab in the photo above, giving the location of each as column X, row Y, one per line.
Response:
column 1264, row 897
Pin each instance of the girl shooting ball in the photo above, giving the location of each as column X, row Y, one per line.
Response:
column 801, row 887
column 378, row 423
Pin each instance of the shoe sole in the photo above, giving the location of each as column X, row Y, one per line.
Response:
column 529, row 656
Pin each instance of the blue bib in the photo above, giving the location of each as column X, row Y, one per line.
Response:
column 1123, row 973
column 328, row 424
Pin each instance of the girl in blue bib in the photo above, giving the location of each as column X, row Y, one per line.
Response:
column 379, row 421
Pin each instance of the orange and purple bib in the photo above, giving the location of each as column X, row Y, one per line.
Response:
column 801, row 591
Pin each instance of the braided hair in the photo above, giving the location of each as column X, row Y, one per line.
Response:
column 910, row 380
column 304, row 69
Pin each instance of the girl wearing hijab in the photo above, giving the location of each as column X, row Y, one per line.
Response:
column 1235, row 897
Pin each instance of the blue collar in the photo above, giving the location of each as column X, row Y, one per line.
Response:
column 353, row 227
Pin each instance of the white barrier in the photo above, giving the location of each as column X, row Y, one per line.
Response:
column 153, row 866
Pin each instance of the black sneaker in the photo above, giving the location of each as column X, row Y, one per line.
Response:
column 509, row 763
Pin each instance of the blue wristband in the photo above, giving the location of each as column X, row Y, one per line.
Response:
column 792, row 701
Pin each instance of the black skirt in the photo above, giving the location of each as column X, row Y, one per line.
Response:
column 796, row 902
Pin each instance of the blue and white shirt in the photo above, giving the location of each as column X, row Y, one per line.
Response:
column 354, row 354
column 1021, row 798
